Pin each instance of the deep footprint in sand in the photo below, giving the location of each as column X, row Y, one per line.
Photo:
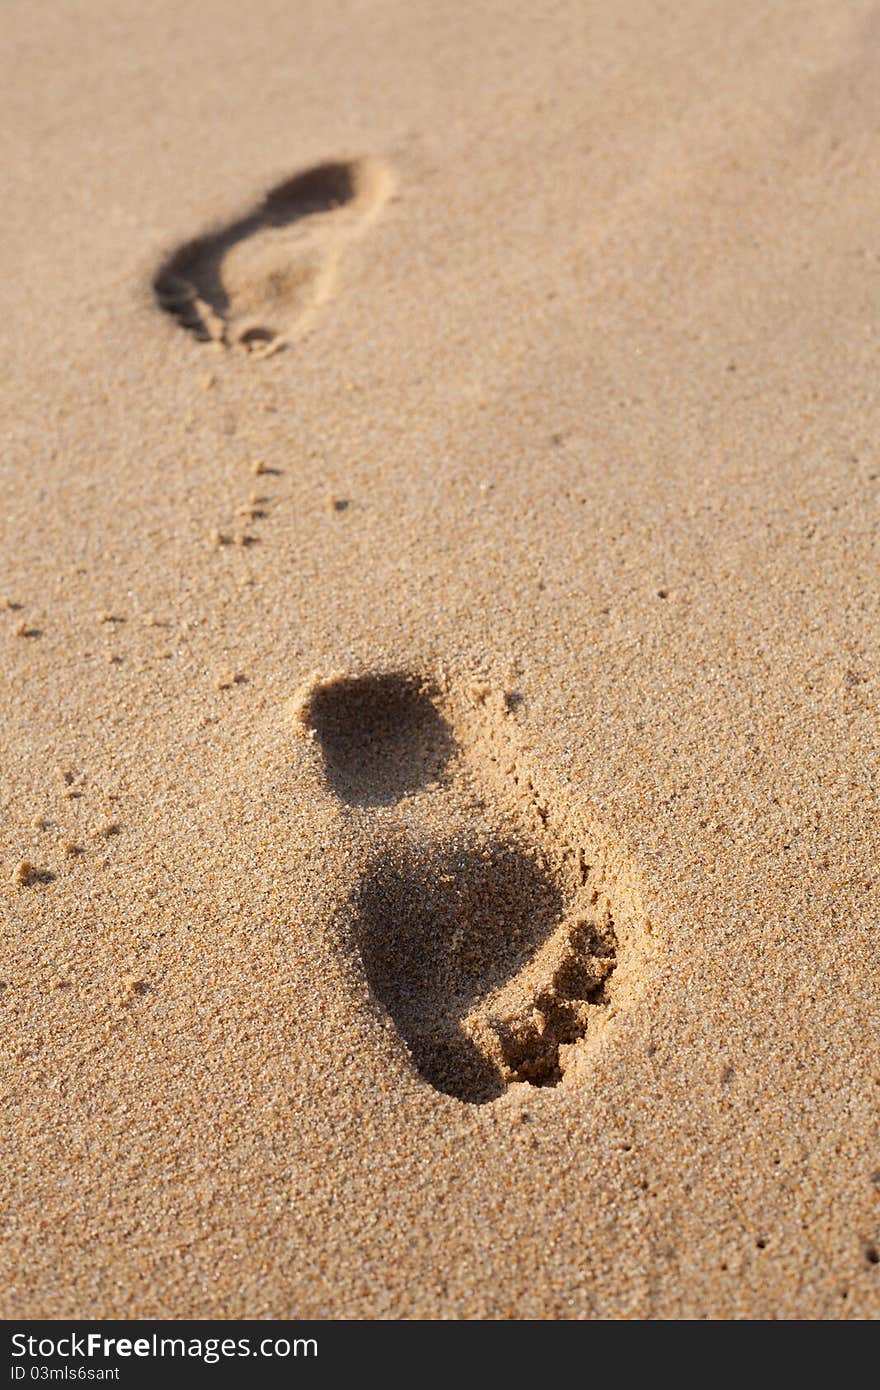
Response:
column 492, row 944
column 258, row 282
column 380, row 736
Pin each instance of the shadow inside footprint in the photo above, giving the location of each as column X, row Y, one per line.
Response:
column 381, row 736
column 440, row 926
column 250, row 282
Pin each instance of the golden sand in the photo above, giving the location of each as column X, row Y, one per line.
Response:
column 440, row 501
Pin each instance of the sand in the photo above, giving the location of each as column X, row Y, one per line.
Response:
column 440, row 684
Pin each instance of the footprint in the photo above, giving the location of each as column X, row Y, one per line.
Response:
column 380, row 736
column 493, row 945
column 258, row 282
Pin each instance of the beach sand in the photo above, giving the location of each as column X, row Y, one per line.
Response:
column 440, row 612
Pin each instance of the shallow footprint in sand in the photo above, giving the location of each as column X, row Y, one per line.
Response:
column 491, row 942
column 258, row 282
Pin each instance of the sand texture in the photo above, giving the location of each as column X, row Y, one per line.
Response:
column 439, row 607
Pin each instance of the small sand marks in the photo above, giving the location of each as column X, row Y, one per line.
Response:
column 493, row 946
column 258, row 282
column 24, row 874
column 80, row 834
column 238, row 527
